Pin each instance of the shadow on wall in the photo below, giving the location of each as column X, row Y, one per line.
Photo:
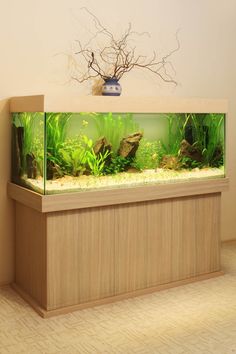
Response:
column 6, row 205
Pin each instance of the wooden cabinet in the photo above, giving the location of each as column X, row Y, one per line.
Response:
column 83, row 256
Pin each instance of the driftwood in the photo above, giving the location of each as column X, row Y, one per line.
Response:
column 118, row 56
column 53, row 170
column 31, row 166
column 17, row 152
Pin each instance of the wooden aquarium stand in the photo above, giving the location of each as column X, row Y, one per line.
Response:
column 84, row 249
column 77, row 250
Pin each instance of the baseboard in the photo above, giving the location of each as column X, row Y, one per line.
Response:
column 64, row 310
column 29, row 300
column 228, row 241
column 4, row 283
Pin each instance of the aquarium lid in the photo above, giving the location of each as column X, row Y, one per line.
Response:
column 42, row 103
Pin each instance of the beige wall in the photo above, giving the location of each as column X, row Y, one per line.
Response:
column 32, row 32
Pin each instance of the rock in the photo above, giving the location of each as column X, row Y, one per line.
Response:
column 188, row 150
column 101, row 146
column 129, row 145
column 170, row 162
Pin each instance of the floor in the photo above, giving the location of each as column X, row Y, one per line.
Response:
column 195, row 318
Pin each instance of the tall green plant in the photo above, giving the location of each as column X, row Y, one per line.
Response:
column 199, row 130
column 216, row 139
column 207, row 130
column 33, row 136
column 56, row 131
column 177, row 123
column 115, row 127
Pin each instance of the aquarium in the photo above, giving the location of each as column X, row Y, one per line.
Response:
column 76, row 152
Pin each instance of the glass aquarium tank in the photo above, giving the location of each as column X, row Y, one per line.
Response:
column 76, row 152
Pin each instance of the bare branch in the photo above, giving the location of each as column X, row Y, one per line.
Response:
column 117, row 57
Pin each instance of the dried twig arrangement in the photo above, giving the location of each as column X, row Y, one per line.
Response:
column 117, row 56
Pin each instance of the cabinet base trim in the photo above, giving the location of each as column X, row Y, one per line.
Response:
column 67, row 309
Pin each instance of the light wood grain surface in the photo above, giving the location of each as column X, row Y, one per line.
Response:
column 102, row 252
column 80, row 256
column 51, row 103
column 76, row 257
column 81, row 200
column 108, row 300
column 30, row 252
column 6, row 205
column 27, row 104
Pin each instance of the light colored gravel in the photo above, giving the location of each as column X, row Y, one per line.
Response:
column 121, row 180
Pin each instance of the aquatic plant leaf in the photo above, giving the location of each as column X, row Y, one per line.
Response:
column 33, row 139
column 114, row 127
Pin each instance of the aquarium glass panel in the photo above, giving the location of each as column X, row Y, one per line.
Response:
column 28, row 150
column 93, row 151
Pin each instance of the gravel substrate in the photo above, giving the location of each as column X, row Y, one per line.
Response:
column 121, row 180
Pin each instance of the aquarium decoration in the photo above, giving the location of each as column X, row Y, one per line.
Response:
column 67, row 152
column 108, row 57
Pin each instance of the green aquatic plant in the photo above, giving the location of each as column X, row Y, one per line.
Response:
column 97, row 163
column 73, row 153
column 56, row 131
column 170, row 150
column 73, row 159
column 207, row 134
column 27, row 121
column 38, row 152
column 114, row 127
column 30, row 136
column 199, row 130
column 118, row 164
column 189, row 163
column 78, row 155
column 177, row 123
column 213, row 155
column 148, row 154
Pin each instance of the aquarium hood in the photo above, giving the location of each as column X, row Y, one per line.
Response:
column 42, row 103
